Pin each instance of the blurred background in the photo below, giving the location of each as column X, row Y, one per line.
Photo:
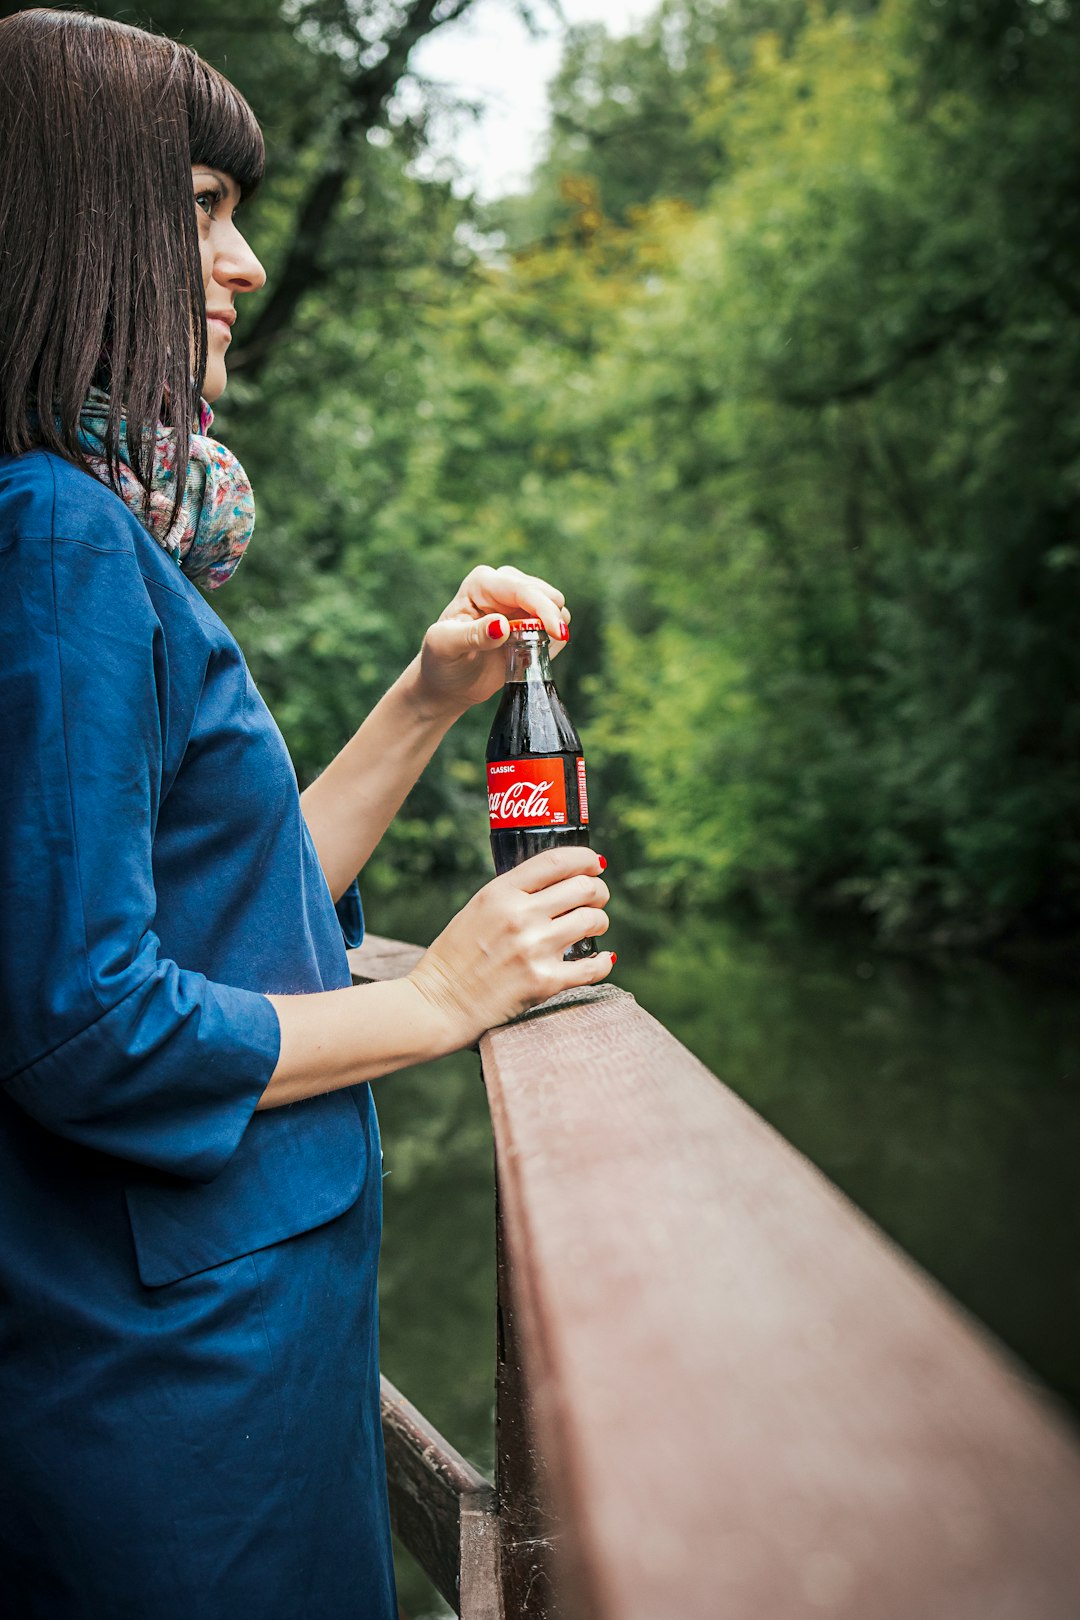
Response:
column 755, row 326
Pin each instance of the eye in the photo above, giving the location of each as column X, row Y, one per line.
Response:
column 213, row 193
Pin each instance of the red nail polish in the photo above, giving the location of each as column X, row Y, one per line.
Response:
column 495, row 629
column 614, row 958
column 564, row 632
column 603, row 863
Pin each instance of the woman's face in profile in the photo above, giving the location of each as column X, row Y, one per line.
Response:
column 228, row 267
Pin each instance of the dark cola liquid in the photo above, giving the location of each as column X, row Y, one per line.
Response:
column 531, row 723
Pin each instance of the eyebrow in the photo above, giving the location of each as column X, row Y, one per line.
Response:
column 232, row 190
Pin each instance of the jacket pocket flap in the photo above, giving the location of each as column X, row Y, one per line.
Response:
column 296, row 1167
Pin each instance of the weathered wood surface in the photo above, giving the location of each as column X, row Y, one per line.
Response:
column 442, row 1509
column 378, row 959
column 750, row 1404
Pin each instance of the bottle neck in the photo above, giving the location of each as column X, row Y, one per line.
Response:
column 527, row 657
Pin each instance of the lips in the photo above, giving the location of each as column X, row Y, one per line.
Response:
column 223, row 319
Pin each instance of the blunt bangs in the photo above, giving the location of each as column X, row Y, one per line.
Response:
column 223, row 132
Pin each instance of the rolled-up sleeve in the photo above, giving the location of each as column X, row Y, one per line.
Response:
column 103, row 1039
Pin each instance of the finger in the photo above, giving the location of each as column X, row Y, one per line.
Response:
column 529, row 603
column 586, row 970
column 554, row 623
column 496, row 581
column 535, row 582
column 564, row 636
column 491, row 630
column 551, row 866
column 582, row 890
column 587, row 922
column 517, row 595
column 452, row 637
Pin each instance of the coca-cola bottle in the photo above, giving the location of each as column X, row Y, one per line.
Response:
column 536, row 770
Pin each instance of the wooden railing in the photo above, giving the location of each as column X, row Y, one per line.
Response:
column 722, row 1393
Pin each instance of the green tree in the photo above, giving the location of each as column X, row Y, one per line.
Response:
column 775, row 373
column 837, row 417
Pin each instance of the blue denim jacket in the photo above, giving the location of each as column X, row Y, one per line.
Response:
column 188, row 1402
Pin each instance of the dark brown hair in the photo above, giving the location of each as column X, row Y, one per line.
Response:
column 100, row 276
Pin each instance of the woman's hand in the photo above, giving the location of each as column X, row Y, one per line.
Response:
column 461, row 661
column 501, row 955
column 503, row 951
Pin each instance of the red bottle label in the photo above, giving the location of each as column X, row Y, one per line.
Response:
column 527, row 793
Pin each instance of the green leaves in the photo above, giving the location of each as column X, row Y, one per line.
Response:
column 775, row 377
column 835, row 477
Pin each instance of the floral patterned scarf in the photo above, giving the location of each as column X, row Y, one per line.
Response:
column 217, row 516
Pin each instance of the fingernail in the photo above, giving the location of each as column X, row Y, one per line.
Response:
column 497, row 629
column 564, row 632
column 603, row 863
column 614, row 958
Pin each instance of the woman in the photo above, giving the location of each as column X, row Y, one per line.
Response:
column 190, row 1182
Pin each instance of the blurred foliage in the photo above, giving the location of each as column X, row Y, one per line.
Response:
column 773, row 371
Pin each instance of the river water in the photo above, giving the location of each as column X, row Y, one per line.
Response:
column 943, row 1098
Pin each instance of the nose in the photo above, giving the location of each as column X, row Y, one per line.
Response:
column 236, row 266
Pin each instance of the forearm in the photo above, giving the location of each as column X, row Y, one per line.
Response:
column 350, row 806
column 339, row 1038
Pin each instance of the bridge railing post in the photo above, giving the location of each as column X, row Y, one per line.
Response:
column 526, row 1526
